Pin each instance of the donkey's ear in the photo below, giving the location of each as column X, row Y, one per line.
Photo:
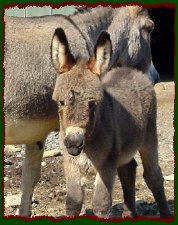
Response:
column 99, row 63
column 60, row 53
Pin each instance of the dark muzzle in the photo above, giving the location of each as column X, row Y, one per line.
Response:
column 74, row 144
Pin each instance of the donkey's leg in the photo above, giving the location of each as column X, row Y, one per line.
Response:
column 31, row 172
column 102, row 199
column 152, row 173
column 127, row 174
column 74, row 187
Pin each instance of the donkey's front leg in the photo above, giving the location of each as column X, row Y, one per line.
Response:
column 74, row 187
column 31, row 172
column 102, row 199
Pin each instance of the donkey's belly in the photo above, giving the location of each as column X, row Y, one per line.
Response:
column 21, row 131
column 126, row 157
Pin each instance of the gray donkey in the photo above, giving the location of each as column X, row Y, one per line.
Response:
column 106, row 120
column 130, row 28
column 30, row 113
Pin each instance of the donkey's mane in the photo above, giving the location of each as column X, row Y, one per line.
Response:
column 82, row 9
column 135, row 11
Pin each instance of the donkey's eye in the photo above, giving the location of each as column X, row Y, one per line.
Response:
column 92, row 105
column 148, row 26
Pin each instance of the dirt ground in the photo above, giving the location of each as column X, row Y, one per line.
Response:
column 50, row 193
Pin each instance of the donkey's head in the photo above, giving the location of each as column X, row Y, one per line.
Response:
column 138, row 51
column 78, row 90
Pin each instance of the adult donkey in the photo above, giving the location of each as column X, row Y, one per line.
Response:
column 108, row 120
column 130, row 34
column 30, row 113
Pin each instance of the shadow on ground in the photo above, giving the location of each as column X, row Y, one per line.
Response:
column 143, row 209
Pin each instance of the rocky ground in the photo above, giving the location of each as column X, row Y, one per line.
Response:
column 50, row 193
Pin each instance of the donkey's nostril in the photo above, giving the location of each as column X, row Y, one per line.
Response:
column 81, row 144
column 67, row 143
column 73, row 140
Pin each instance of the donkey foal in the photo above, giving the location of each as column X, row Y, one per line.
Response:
column 105, row 120
column 30, row 113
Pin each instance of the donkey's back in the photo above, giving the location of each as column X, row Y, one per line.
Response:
column 134, row 108
column 27, row 62
column 29, row 76
column 131, row 89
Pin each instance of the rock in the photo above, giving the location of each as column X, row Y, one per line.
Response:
column 170, row 177
column 52, row 141
column 51, row 153
column 19, row 164
column 12, row 148
column 43, row 164
column 12, row 200
column 19, row 154
column 35, row 202
column 7, row 166
column 50, row 210
column 6, row 178
column 8, row 162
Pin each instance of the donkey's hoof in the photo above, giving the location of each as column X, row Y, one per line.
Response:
column 127, row 213
column 167, row 215
column 83, row 211
column 22, row 213
column 103, row 215
column 17, row 212
column 72, row 213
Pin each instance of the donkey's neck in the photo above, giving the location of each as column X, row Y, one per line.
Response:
column 93, row 23
column 104, row 120
column 119, row 31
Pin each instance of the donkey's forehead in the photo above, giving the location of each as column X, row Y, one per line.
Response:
column 79, row 70
column 71, row 82
column 81, row 81
column 79, row 74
